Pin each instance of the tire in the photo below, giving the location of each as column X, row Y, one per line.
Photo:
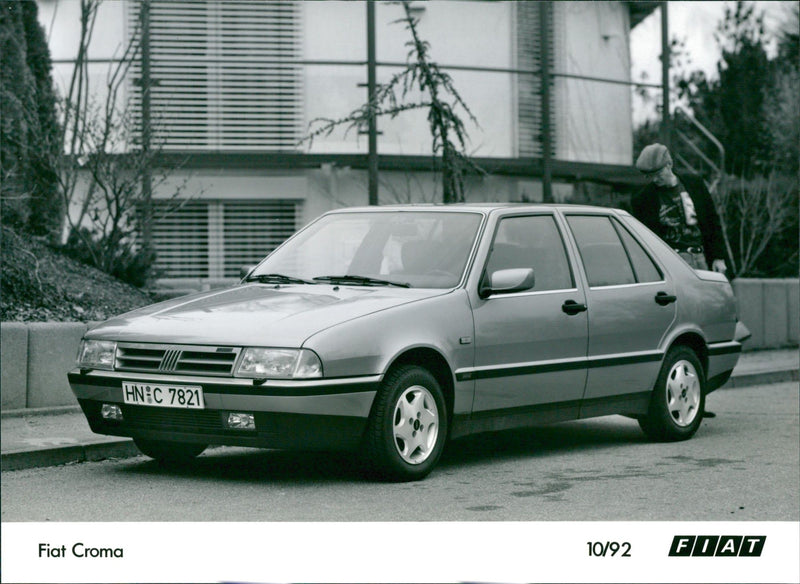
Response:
column 678, row 400
column 174, row 452
column 407, row 427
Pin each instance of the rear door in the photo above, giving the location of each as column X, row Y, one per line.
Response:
column 631, row 305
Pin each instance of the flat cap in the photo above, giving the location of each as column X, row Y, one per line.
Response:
column 653, row 157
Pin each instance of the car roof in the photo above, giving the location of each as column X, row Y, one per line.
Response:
column 483, row 208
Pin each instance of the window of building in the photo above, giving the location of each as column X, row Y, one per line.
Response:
column 214, row 239
column 222, row 75
column 529, row 85
column 532, row 242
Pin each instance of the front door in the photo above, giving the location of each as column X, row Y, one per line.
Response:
column 530, row 351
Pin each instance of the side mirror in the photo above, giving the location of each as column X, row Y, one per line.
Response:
column 507, row 282
column 244, row 271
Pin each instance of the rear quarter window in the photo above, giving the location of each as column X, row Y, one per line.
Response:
column 643, row 265
column 604, row 258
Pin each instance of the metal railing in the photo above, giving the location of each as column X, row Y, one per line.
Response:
column 689, row 148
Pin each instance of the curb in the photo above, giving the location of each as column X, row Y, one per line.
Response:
column 123, row 448
column 762, row 378
column 51, row 411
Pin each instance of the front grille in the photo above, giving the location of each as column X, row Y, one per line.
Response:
column 151, row 418
column 186, row 359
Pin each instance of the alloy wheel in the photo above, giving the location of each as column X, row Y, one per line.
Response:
column 415, row 424
column 683, row 393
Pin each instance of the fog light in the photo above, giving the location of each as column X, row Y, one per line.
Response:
column 241, row 421
column 111, row 412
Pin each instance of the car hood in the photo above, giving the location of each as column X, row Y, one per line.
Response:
column 254, row 314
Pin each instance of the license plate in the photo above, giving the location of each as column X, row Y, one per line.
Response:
column 163, row 396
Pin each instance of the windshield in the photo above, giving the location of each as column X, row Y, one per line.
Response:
column 416, row 248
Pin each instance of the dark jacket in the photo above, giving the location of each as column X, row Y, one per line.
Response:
column 645, row 207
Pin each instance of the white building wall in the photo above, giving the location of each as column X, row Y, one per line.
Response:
column 332, row 188
column 476, row 34
column 594, row 119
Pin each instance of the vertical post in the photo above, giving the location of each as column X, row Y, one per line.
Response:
column 666, row 124
column 372, row 155
column 547, row 145
column 147, row 205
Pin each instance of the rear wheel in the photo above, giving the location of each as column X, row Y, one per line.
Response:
column 678, row 400
column 408, row 426
column 169, row 451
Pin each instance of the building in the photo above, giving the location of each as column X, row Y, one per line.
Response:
column 235, row 85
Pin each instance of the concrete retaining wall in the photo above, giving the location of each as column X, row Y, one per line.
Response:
column 771, row 310
column 52, row 348
column 35, row 357
column 13, row 365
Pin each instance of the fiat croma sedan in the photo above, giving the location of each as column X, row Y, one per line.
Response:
column 389, row 330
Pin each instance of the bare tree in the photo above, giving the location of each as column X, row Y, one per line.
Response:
column 75, row 116
column 448, row 132
column 103, row 159
column 754, row 214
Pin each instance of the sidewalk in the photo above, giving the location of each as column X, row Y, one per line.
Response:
column 53, row 436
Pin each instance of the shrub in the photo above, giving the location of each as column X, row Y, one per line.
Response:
column 129, row 263
column 760, row 224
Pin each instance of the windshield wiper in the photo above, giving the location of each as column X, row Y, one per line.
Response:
column 360, row 280
column 277, row 279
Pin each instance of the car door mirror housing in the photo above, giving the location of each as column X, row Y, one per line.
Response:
column 507, row 282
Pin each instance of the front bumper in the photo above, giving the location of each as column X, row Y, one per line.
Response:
column 313, row 414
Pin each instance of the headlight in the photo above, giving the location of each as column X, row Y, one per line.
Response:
column 96, row 354
column 279, row 363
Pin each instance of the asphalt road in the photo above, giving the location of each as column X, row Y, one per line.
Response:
column 743, row 464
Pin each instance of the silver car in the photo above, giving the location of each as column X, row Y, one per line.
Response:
column 390, row 330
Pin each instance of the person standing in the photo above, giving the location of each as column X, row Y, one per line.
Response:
column 679, row 209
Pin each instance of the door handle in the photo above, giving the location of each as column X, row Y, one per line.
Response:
column 571, row 307
column 663, row 298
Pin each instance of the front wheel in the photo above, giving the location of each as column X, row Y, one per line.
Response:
column 676, row 407
column 408, row 426
column 174, row 452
